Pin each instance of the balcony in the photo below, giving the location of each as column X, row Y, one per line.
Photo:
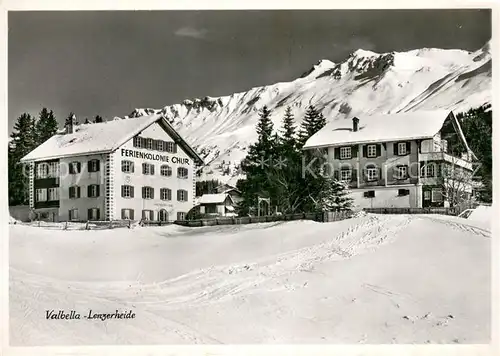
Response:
column 442, row 156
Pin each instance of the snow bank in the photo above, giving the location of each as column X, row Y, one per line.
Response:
column 482, row 214
column 371, row 279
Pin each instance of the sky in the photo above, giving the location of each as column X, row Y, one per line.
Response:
column 110, row 62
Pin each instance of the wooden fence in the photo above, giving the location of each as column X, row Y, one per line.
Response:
column 442, row 211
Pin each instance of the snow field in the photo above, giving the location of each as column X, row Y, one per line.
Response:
column 371, row 279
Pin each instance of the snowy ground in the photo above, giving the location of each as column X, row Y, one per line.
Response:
column 372, row 279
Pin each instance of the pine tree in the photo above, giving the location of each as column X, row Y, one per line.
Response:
column 23, row 141
column 98, row 119
column 333, row 196
column 46, row 126
column 288, row 131
column 257, row 163
column 87, row 121
column 309, row 125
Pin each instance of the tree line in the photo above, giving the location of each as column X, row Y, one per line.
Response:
column 28, row 133
column 274, row 169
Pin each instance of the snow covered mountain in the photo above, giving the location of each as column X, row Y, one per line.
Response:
column 221, row 128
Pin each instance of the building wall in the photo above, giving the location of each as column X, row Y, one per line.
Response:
column 387, row 197
column 157, row 181
column 83, row 180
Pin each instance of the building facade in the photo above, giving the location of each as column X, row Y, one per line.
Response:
column 399, row 160
column 128, row 169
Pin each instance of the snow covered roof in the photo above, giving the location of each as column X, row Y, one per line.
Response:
column 373, row 128
column 213, row 198
column 101, row 138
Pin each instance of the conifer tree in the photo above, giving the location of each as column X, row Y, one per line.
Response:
column 23, row 141
column 46, row 126
column 333, row 196
column 98, row 119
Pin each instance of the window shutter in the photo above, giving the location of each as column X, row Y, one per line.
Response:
column 178, row 195
column 89, row 191
column 98, row 214
column 69, row 214
column 336, row 174
column 152, row 193
column 131, row 191
column 89, row 166
column 89, row 214
column 408, row 147
column 71, row 192
column 123, row 191
column 354, row 151
column 365, row 150
column 131, row 167
column 71, row 168
column 123, row 210
column 144, row 168
column 98, row 165
column 354, row 175
column 379, row 151
column 175, row 147
column 395, row 149
column 143, row 192
column 79, row 165
column 97, row 192
column 79, row 192
column 336, row 152
column 152, row 169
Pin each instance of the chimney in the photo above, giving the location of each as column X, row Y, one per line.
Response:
column 355, row 122
column 70, row 122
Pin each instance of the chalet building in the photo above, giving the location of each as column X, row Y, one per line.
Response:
column 138, row 168
column 397, row 160
column 229, row 189
column 221, row 204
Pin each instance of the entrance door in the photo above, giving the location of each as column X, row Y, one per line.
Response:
column 163, row 215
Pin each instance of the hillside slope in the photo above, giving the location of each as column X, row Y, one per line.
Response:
column 366, row 82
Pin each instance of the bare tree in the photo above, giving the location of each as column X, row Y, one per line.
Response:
column 457, row 184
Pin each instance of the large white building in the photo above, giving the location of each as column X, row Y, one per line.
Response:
column 398, row 160
column 138, row 168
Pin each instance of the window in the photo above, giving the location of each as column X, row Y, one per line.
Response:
column 165, row 194
column 149, row 143
column 127, row 191
column 182, row 172
column 127, row 166
column 160, row 145
column 128, row 214
column 148, row 169
column 148, row 215
column 428, row 170
column 181, row 216
column 402, row 148
column 75, row 167
column 42, row 171
column 427, row 195
column 93, row 165
column 148, row 193
column 74, row 192
column 345, row 152
column 53, row 194
column 73, row 214
column 402, row 172
column 345, row 175
column 93, row 214
column 166, row 170
column 54, row 169
column 369, row 194
column 403, row 192
column 171, row 147
column 137, row 141
column 41, row 194
column 93, row 191
column 371, row 174
column 182, row 195
column 371, row 150
column 163, row 215
column 437, row 195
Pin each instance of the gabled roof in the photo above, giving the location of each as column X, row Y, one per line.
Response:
column 381, row 128
column 103, row 138
column 214, row 198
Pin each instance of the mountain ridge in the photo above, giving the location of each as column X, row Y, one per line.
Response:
column 221, row 128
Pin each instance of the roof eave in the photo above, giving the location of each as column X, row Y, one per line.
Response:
column 366, row 141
